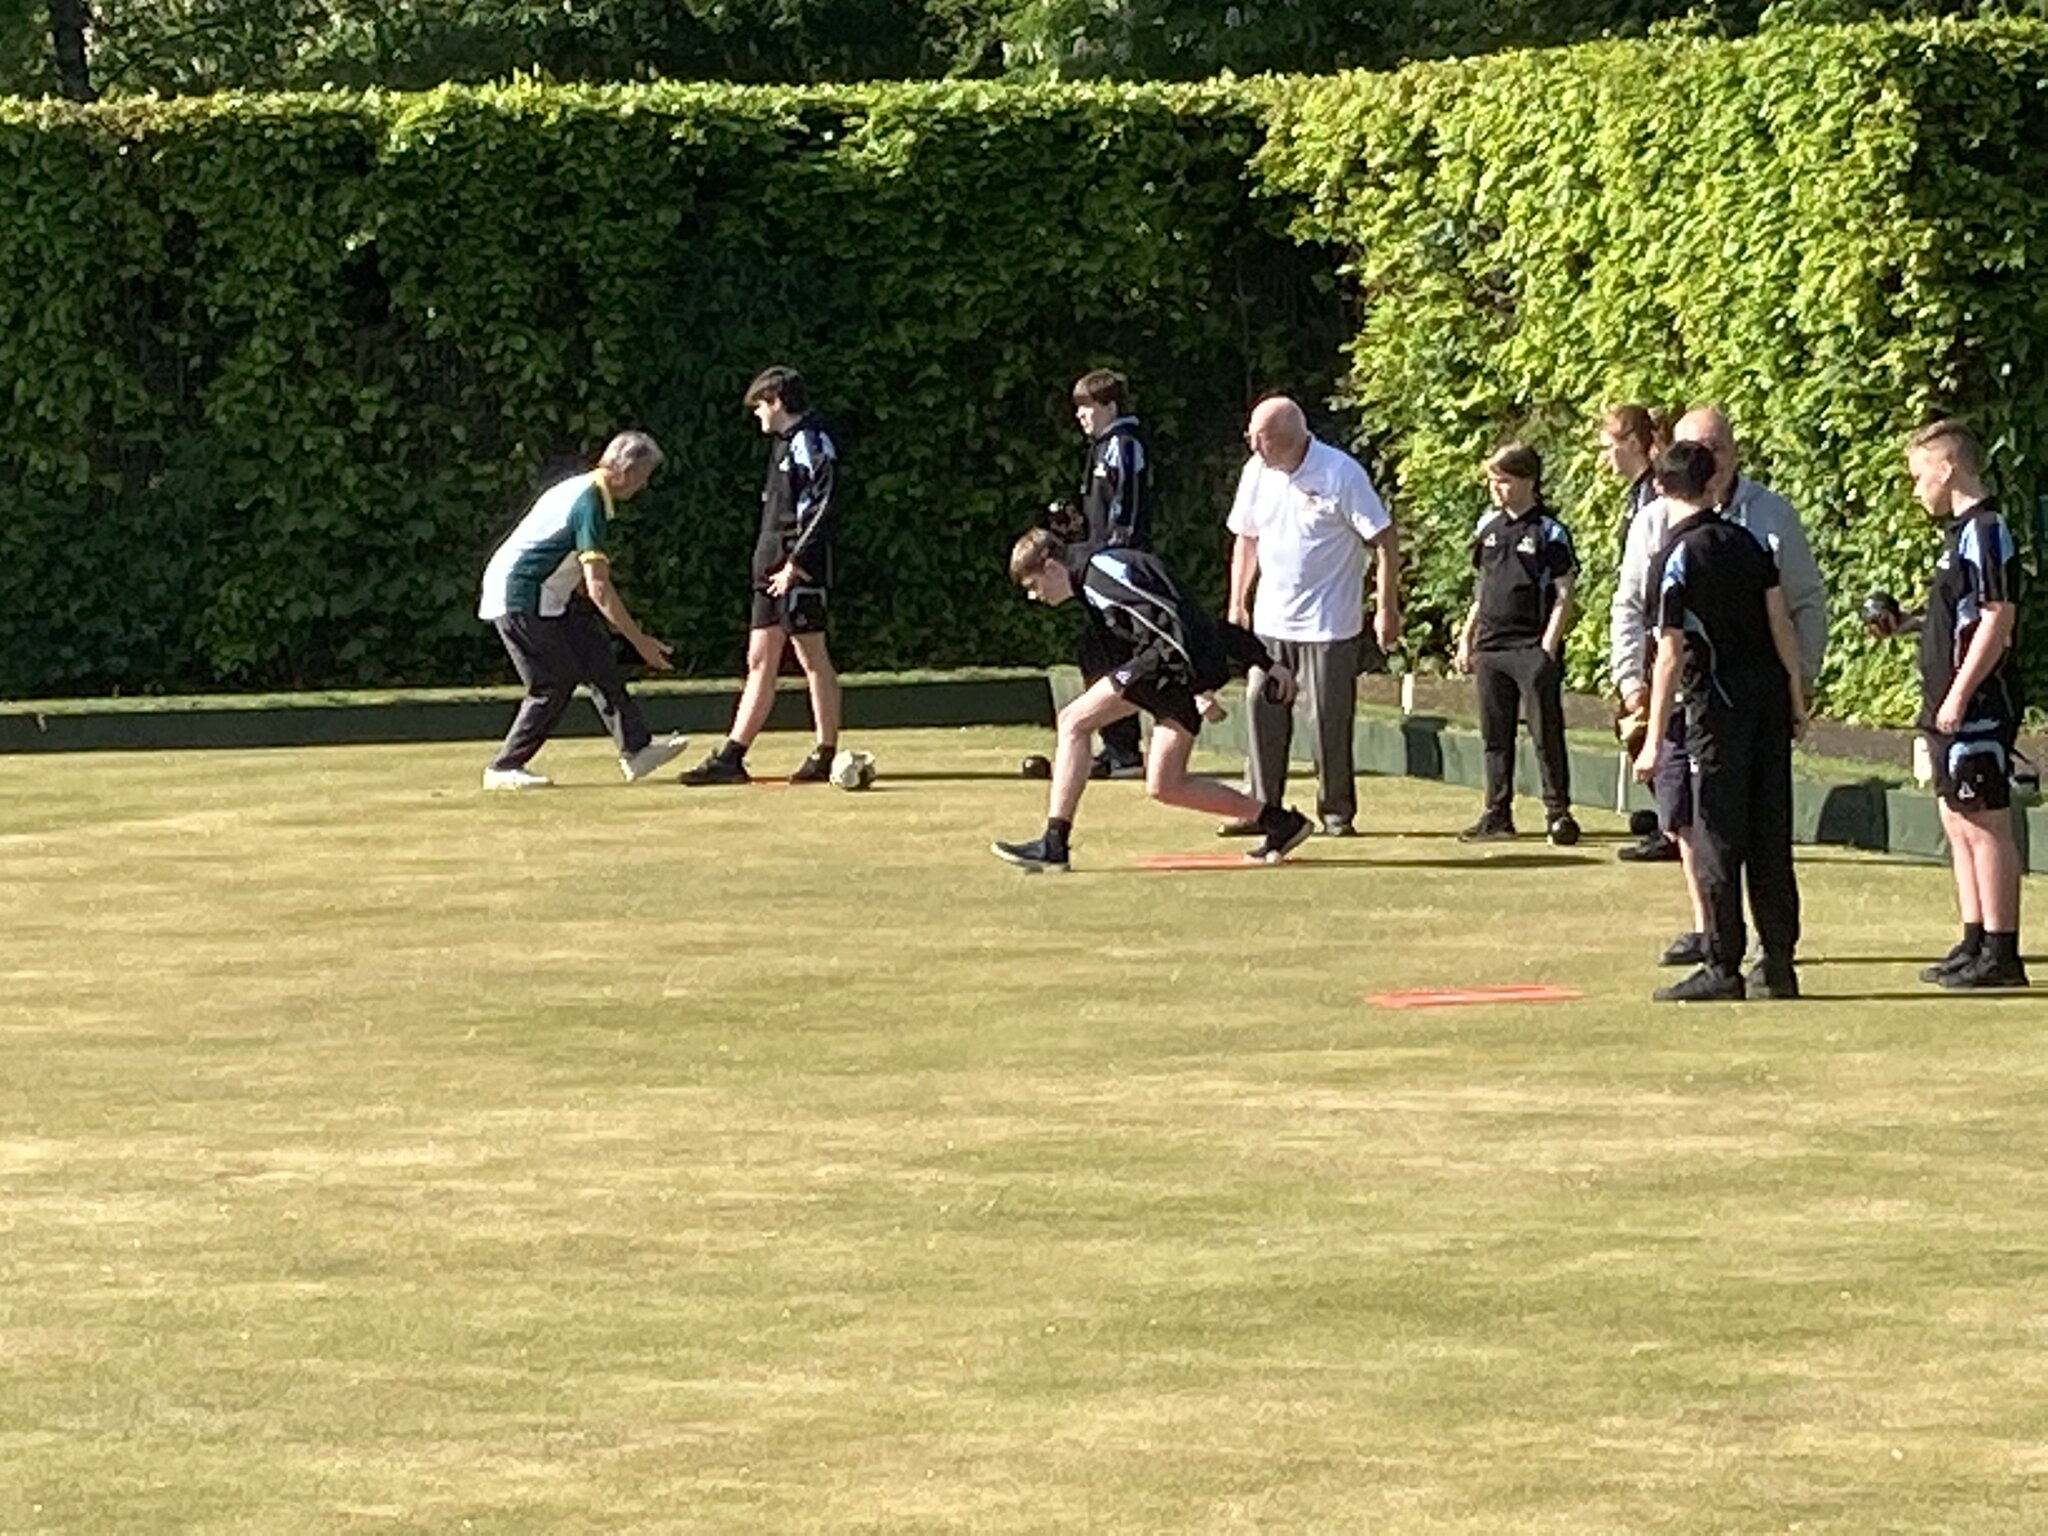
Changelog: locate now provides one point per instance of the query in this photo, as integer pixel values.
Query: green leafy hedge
(280, 369)
(1835, 233)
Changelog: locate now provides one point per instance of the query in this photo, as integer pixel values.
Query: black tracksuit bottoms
(552, 657)
(1508, 679)
(1742, 817)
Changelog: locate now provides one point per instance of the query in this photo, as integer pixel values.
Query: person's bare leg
(1962, 858)
(823, 679)
(1079, 721)
(1995, 863)
(1168, 781)
(764, 660)
(1692, 880)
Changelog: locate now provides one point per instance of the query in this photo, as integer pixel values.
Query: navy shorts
(801, 611)
(1671, 785)
(1973, 768)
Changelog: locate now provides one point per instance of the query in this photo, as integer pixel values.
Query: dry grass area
(376, 1155)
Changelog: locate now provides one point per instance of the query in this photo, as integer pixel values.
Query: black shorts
(1671, 785)
(1164, 700)
(1973, 768)
(801, 611)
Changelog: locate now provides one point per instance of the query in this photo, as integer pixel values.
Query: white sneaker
(514, 778)
(656, 754)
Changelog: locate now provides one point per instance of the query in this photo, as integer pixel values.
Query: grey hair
(630, 450)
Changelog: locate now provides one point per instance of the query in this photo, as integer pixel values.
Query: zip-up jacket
(1116, 495)
(1158, 633)
(796, 504)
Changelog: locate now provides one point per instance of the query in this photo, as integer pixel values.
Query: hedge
(282, 368)
(1835, 233)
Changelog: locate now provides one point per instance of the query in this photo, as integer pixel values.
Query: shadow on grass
(1893, 960)
(1926, 995)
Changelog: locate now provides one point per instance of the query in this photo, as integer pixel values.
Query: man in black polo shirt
(1513, 642)
(1725, 634)
(1115, 513)
(1168, 656)
(1970, 703)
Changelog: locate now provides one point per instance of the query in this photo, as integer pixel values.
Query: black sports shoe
(1654, 849)
(814, 769)
(1034, 856)
(1564, 831)
(1290, 831)
(1109, 766)
(1485, 830)
(716, 769)
(1702, 986)
(1686, 949)
(1950, 963)
(1986, 973)
(1777, 979)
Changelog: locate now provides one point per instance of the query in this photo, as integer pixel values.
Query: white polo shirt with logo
(1312, 526)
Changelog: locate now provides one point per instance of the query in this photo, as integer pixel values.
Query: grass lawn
(379, 1155)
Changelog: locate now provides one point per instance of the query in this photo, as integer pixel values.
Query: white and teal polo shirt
(540, 565)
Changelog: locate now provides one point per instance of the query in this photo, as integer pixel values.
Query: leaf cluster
(1833, 233)
(281, 369)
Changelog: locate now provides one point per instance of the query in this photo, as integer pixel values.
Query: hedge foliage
(1835, 233)
(282, 368)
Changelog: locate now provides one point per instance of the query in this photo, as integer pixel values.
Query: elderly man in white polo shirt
(1308, 524)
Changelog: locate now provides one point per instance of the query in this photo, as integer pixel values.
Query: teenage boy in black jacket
(1167, 657)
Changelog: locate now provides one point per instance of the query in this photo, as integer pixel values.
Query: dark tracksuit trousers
(1509, 682)
(1742, 817)
(553, 656)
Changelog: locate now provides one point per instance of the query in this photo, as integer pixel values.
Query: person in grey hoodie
(1771, 521)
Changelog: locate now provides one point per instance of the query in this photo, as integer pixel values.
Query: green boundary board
(1881, 815)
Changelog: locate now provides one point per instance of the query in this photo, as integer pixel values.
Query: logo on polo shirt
(1527, 546)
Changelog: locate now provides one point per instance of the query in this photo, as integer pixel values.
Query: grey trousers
(1326, 672)
(553, 656)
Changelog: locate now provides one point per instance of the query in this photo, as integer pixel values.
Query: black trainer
(1486, 830)
(1776, 979)
(716, 769)
(1564, 831)
(1107, 765)
(1702, 986)
(1289, 831)
(814, 769)
(1686, 949)
(1654, 849)
(1955, 960)
(1036, 856)
(1987, 973)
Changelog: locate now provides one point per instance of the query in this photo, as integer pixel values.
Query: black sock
(1973, 938)
(1271, 818)
(2004, 947)
(1057, 830)
(826, 749)
(732, 751)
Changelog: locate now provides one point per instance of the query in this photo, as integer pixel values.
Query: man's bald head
(1278, 433)
(1708, 427)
